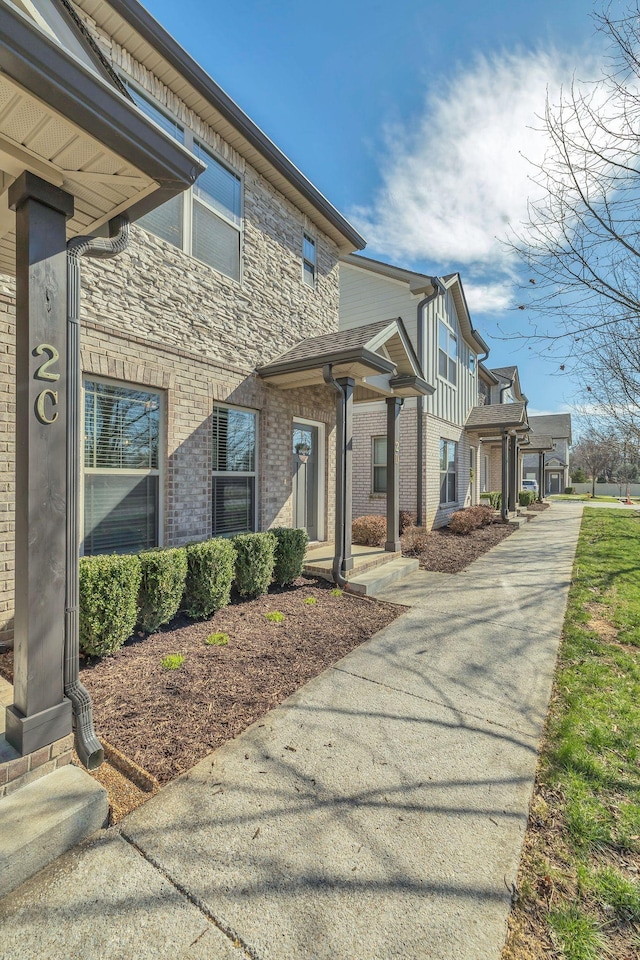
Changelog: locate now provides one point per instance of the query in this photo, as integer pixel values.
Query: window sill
(377, 496)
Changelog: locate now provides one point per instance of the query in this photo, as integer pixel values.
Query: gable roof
(135, 30)
(380, 348)
(510, 375)
(556, 425)
(489, 419)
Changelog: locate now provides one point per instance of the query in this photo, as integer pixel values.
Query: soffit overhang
(378, 356)
(137, 32)
(492, 420)
(65, 123)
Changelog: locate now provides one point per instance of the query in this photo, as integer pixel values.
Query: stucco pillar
(394, 405)
(40, 713)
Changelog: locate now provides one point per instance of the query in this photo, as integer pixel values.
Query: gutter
(87, 745)
(438, 290)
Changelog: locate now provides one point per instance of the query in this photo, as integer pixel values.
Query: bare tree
(581, 245)
(598, 454)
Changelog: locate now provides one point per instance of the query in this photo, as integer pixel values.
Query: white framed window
(308, 260)
(472, 363)
(447, 353)
(205, 221)
(448, 458)
(379, 464)
(121, 468)
(235, 458)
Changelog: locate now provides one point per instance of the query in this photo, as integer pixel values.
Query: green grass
(274, 617)
(217, 640)
(582, 496)
(173, 661)
(589, 769)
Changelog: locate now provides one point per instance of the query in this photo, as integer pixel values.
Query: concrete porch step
(319, 560)
(379, 578)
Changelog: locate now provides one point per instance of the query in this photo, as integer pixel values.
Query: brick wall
(7, 454)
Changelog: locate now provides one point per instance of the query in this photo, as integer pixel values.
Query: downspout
(506, 387)
(438, 289)
(327, 375)
(87, 745)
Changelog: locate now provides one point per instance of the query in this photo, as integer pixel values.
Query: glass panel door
(305, 478)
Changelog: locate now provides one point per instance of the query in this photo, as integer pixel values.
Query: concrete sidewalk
(378, 814)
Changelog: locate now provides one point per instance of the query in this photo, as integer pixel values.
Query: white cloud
(488, 297)
(453, 182)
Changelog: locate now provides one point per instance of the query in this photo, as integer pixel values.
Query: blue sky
(413, 120)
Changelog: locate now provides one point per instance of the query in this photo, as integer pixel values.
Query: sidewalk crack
(226, 931)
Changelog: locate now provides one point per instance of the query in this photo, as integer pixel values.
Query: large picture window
(448, 454)
(234, 471)
(207, 223)
(121, 468)
(379, 464)
(447, 353)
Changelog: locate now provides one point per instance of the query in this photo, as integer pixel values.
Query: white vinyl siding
(448, 458)
(205, 221)
(234, 504)
(121, 467)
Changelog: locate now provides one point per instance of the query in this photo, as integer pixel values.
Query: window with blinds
(234, 471)
(448, 456)
(211, 210)
(447, 353)
(121, 468)
(379, 465)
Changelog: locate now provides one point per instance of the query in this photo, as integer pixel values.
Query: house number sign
(47, 399)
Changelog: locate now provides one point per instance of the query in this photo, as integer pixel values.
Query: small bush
(274, 617)
(464, 521)
(525, 497)
(310, 601)
(414, 540)
(217, 640)
(336, 592)
(406, 520)
(172, 661)
(369, 531)
(495, 498)
(161, 587)
(109, 588)
(291, 547)
(255, 560)
(210, 566)
(568, 489)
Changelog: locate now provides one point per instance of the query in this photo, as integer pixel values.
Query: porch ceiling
(64, 122)
(378, 356)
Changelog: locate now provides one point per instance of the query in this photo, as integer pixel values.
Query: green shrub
(172, 661)
(210, 566)
(495, 498)
(161, 587)
(291, 547)
(217, 640)
(274, 617)
(568, 489)
(525, 497)
(109, 588)
(336, 592)
(255, 561)
(310, 601)
(370, 530)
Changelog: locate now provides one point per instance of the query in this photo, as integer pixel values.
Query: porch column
(505, 476)
(540, 477)
(394, 405)
(344, 496)
(40, 713)
(513, 473)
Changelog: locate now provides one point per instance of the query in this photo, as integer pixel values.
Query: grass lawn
(579, 882)
(585, 497)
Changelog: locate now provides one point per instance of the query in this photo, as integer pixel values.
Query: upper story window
(308, 260)
(447, 353)
(472, 363)
(205, 221)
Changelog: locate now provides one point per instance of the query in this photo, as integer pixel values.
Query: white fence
(608, 489)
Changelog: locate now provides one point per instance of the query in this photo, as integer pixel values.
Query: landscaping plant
(210, 567)
(161, 587)
(217, 640)
(310, 601)
(274, 617)
(172, 661)
(109, 588)
(255, 561)
(526, 497)
(291, 547)
(369, 531)
(472, 518)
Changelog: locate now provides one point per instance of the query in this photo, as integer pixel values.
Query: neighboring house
(446, 458)
(557, 427)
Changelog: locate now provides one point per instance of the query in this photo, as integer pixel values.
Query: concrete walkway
(378, 814)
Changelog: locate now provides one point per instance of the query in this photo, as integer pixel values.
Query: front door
(554, 483)
(305, 478)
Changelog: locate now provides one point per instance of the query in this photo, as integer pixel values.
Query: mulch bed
(538, 507)
(166, 721)
(448, 552)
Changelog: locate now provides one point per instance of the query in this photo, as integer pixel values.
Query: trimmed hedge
(291, 547)
(494, 497)
(369, 531)
(210, 566)
(464, 521)
(255, 561)
(525, 497)
(109, 587)
(163, 577)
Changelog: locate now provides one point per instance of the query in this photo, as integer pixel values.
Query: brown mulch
(166, 721)
(448, 552)
(538, 507)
